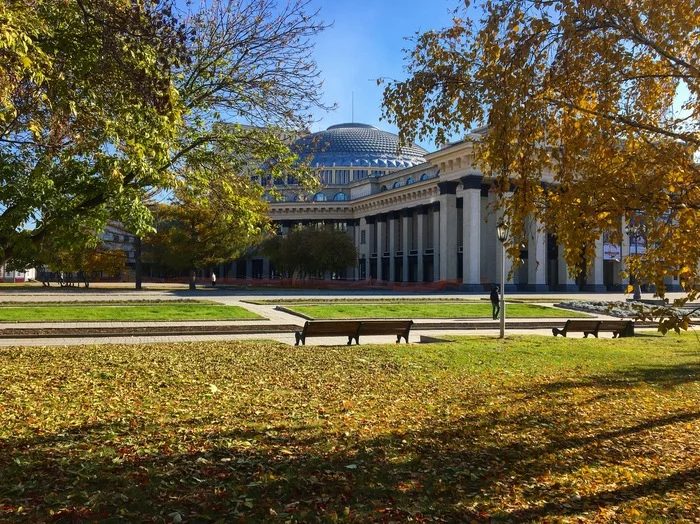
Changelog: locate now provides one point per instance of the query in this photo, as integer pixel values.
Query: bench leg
(556, 331)
(349, 340)
(297, 335)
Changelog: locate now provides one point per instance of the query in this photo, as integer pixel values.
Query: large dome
(358, 145)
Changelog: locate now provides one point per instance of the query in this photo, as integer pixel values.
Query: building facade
(419, 216)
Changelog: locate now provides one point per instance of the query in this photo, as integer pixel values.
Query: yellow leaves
(35, 128)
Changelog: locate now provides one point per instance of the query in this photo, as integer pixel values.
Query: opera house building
(419, 217)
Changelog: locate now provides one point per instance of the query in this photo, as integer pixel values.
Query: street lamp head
(502, 231)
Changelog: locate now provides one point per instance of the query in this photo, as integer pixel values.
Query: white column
(565, 281)
(471, 234)
(624, 253)
(405, 243)
(379, 225)
(448, 230)
(594, 279)
(437, 212)
(392, 248)
(537, 258)
(420, 242)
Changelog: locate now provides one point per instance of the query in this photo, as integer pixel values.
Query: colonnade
(450, 236)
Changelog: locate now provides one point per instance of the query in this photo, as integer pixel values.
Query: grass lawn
(428, 310)
(151, 312)
(536, 429)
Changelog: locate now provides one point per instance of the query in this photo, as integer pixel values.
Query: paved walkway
(424, 329)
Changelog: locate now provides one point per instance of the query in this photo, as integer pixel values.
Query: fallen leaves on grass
(574, 431)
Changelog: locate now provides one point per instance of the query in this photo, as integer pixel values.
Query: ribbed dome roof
(358, 145)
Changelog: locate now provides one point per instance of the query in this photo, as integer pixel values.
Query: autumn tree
(88, 112)
(598, 99)
(311, 251)
(86, 262)
(105, 103)
(202, 227)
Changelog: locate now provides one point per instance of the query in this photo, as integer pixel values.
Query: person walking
(213, 279)
(495, 302)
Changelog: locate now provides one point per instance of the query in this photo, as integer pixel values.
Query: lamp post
(502, 232)
(632, 232)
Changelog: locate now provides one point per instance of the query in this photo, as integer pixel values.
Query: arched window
(320, 197)
(409, 181)
(396, 184)
(383, 188)
(268, 198)
(425, 176)
(340, 197)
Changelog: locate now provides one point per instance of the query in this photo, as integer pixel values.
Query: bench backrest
(581, 325)
(385, 327)
(614, 324)
(331, 327)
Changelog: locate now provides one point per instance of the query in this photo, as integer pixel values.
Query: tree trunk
(193, 280)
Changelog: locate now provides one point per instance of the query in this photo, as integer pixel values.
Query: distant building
(418, 216)
(16, 276)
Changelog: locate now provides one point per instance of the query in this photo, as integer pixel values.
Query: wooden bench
(619, 328)
(400, 328)
(353, 329)
(330, 328)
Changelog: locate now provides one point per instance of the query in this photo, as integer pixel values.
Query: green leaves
(311, 252)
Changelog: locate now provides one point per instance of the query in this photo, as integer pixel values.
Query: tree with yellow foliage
(599, 98)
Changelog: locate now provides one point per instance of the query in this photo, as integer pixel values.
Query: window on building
(396, 184)
(425, 176)
(342, 176)
(320, 197)
(340, 226)
(378, 172)
(360, 174)
(383, 188)
(340, 197)
(410, 181)
(363, 237)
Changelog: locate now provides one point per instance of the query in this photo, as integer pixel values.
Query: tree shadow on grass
(662, 375)
(469, 470)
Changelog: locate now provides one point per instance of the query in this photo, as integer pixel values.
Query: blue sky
(365, 43)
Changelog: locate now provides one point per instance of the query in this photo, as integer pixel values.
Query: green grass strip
(411, 310)
(125, 313)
